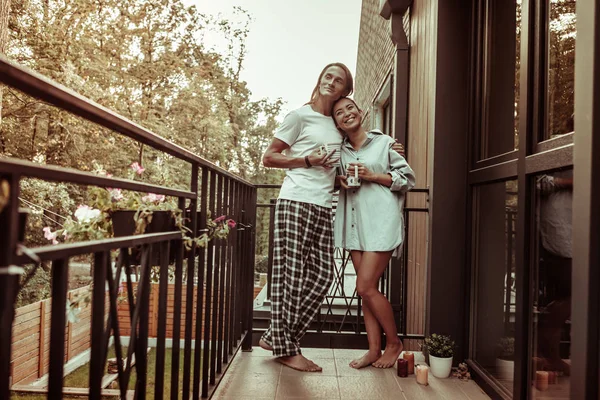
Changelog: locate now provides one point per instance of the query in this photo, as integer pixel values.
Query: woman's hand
(342, 181)
(398, 148)
(363, 172)
(317, 159)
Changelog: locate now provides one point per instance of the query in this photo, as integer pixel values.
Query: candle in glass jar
(410, 358)
(402, 368)
(541, 380)
(552, 377)
(422, 372)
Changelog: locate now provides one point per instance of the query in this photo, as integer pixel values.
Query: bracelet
(308, 164)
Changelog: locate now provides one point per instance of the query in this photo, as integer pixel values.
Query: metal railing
(348, 318)
(223, 271)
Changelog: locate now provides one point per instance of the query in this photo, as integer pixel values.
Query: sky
(290, 42)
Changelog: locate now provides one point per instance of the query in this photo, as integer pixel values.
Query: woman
(303, 238)
(369, 222)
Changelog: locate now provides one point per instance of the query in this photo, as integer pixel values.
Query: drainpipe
(394, 10)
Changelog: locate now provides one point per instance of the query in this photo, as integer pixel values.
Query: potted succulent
(440, 349)
(505, 361)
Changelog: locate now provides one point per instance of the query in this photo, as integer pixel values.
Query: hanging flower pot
(124, 224)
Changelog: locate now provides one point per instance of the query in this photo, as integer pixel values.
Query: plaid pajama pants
(302, 272)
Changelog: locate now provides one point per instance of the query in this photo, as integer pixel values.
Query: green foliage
(38, 288)
(439, 346)
(146, 61)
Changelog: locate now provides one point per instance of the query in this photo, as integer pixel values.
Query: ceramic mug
(352, 180)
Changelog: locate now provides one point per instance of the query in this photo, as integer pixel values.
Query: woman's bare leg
(372, 266)
(371, 324)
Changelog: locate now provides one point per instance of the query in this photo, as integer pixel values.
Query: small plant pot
(162, 221)
(188, 222)
(505, 369)
(440, 367)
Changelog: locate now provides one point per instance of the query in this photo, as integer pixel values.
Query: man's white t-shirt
(305, 130)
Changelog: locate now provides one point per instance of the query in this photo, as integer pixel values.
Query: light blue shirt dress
(370, 217)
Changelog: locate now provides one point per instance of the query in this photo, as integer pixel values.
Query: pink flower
(220, 219)
(49, 235)
(153, 198)
(231, 223)
(137, 168)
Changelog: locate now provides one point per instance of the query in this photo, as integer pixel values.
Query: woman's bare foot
(265, 345)
(369, 358)
(390, 355)
(299, 363)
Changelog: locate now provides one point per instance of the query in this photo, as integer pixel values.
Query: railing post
(250, 208)
(9, 276)
(271, 243)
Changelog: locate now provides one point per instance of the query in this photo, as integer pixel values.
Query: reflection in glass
(552, 286)
(495, 228)
(500, 128)
(561, 67)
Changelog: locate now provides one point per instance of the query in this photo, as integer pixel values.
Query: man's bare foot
(265, 345)
(369, 358)
(390, 355)
(299, 363)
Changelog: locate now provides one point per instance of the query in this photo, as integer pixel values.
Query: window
(552, 272)
(499, 92)
(494, 275)
(560, 67)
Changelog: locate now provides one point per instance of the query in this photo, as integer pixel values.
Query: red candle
(402, 368)
(410, 357)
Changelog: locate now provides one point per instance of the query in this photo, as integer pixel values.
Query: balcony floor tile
(256, 375)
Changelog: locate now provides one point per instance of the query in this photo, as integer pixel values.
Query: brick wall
(376, 55)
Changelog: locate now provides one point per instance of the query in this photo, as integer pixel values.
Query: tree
(147, 61)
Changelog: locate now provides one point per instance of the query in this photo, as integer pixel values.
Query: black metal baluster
(9, 279)
(243, 265)
(189, 305)
(271, 243)
(216, 312)
(200, 291)
(231, 286)
(209, 293)
(141, 358)
(239, 269)
(163, 282)
(98, 311)
(113, 287)
(60, 275)
(249, 266)
(177, 299)
(222, 339)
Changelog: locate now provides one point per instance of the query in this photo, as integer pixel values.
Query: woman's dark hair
(349, 82)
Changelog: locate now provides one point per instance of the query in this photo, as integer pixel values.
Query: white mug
(352, 180)
(334, 160)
